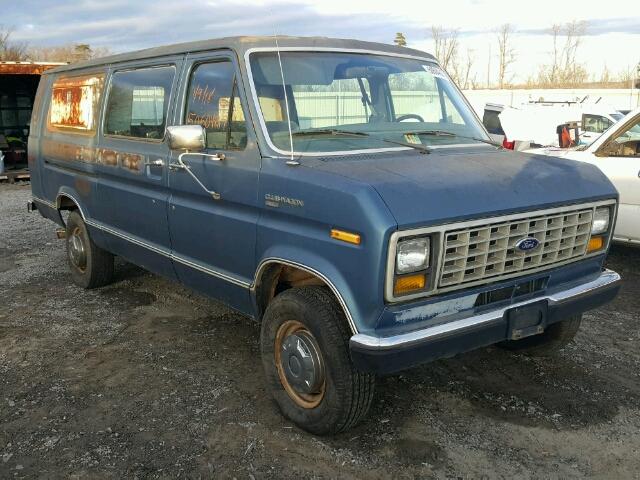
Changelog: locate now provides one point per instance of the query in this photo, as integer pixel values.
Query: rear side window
(74, 104)
(491, 121)
(138, 103)
(213, 103)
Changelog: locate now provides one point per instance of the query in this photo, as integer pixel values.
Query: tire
(90, 265)
(551, 341)
(343, 396)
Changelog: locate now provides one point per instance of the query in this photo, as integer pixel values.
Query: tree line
(562, 70)
(13, 51)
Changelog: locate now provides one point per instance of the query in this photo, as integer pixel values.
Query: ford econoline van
(342, 193)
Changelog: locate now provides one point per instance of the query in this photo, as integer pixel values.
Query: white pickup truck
(617, 153)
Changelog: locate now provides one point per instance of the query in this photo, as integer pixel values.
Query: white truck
(617, 153)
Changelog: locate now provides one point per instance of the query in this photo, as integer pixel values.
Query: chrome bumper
(607, 279)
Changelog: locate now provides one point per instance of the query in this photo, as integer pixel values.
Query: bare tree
(564, 69)
(9, 50)
(506, 53)
(555, 31)
(462, 69)
(446, 45)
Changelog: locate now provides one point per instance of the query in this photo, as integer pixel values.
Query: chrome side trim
(73, 199)
(141, 243)
(45, 202)
(332, 287)
(438, 232)
(215, 273)
(607, 279)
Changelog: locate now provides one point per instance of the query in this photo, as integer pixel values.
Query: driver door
(213, 235)
(619, 159)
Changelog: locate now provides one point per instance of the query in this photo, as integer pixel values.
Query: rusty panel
(131, 161)
(74, 103)
(68, 152)
(108, 157)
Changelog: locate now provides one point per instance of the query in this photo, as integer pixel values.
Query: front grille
(487, 252)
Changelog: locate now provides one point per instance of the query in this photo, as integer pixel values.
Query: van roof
(241, 45)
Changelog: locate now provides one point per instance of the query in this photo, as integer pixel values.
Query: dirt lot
(143, 379)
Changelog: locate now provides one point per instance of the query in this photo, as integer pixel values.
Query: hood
(463, 183)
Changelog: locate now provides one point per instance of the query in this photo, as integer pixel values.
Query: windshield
(384, 99)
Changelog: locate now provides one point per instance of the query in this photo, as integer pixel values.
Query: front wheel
(305, 354)
(551, 341)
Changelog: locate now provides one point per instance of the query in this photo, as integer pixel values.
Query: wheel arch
(68, 201)
(275, 271)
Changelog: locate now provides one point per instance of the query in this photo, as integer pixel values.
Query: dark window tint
(138, 102)
(213, 103)
(491, 121)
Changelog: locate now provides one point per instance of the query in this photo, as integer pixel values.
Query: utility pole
(637, 84)
(489, 69)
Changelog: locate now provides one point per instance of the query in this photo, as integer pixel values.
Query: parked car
(517, 128)
(342, 193)
(617, 153)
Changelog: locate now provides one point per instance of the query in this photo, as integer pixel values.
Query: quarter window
(138, 102)
(213, 103)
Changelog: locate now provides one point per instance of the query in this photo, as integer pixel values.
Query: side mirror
(187, 137)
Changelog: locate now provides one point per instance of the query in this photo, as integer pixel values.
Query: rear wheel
(305, 354)
(90, 265)
(551, 341)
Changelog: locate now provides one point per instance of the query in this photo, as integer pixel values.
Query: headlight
(412, 255)
(601, 220)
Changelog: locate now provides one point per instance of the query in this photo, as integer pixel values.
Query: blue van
(342, 193)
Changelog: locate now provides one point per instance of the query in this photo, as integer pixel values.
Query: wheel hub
(301, 364)
(77, 251)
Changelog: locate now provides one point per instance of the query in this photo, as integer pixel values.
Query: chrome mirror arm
(184, 166)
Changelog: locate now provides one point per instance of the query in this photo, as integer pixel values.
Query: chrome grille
(488, 251)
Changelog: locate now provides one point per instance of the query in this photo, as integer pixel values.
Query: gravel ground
(144, 379)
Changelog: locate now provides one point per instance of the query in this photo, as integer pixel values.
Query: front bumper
(387, 354)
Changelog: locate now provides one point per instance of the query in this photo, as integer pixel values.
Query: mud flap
(527, 320)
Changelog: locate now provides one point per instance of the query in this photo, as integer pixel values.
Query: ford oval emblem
(527, 244)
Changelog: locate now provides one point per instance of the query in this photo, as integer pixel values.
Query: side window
(74, 104)
(626, 144)
(138, 102)
(491, 121)
(213, 103)
(595, 123)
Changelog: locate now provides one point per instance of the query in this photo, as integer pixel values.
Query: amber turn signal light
(345, 236)
(409, 283)
(595, 244)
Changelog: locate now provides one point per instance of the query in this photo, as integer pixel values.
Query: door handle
(155, 163)
(177, 166)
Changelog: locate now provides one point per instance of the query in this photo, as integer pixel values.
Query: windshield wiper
(444, 133)
(329, 131)
(416, 146)
(350, 133)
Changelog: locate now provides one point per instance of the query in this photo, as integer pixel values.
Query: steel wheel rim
(77, 250)
(292, 339)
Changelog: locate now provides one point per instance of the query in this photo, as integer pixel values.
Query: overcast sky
(612, 39)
